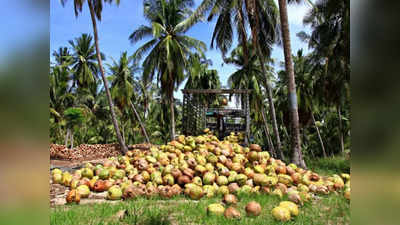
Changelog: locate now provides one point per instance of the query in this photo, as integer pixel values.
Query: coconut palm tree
(297, 157)
(267, 24)
(83, 61)
(122, 83)
(309, 98)
(95, 8)
(169, 47)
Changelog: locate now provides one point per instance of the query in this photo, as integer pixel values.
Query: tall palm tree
(237, 15)
(297, 157)
(95, 8)
(122, 83)
(307, 75)
(262, 43)
(169, 47)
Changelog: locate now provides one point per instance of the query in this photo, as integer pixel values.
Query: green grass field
(326, 209)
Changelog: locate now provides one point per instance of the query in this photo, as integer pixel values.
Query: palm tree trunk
(253, 12)
(340, 129)
(67, 137)
(319, 135)
(266, 130)
(297, 157)
(172, 116)
(72, 140)
(123, 133)
(123, 147)
(140, 121)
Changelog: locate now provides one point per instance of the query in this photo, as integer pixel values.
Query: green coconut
(83, 191)
(104, 174)
(114, 193)
(209, 178)
(87, 172)
(241, 179)
(222, 180)
(281, 213)
(292, 207)
(215, 209)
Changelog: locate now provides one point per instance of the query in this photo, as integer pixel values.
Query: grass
(329, 165)
(328, 209)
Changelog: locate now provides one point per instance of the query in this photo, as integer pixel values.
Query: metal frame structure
(196, 114)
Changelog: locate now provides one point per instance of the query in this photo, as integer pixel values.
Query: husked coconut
(253, 208)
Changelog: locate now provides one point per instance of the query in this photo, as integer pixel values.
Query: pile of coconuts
(198, 167)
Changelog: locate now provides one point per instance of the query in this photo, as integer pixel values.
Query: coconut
(277, 192)
(166, 192)
(252, 156)
(285, 179)
(57, 178)
(56, 171)
(232, 176)
(222, 180)
(280, 169)
(253, 208)
(151, 191)
(292, 207)
(230, 199)
(241, 179)
(74, 183)
(195, 192)
(215, 209)
(209, 190)
(209, 178)
(200, 169)
(83, 191)
(233, 187)
(232, 213)
(104, 174)
(176, 189)
(182, 180)
(223, 190)
(294, 196)
(345, 176)
(73, 196)
(114, 193)
(131, 192)
(259, 169)
(282, 187)
(305, 196)
(168, 179)
(281, 213)
(87, 172)
(260, 179)
(99, 186)
(255, 147)
(290, 171)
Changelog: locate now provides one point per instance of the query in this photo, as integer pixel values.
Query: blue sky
(118, 22)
